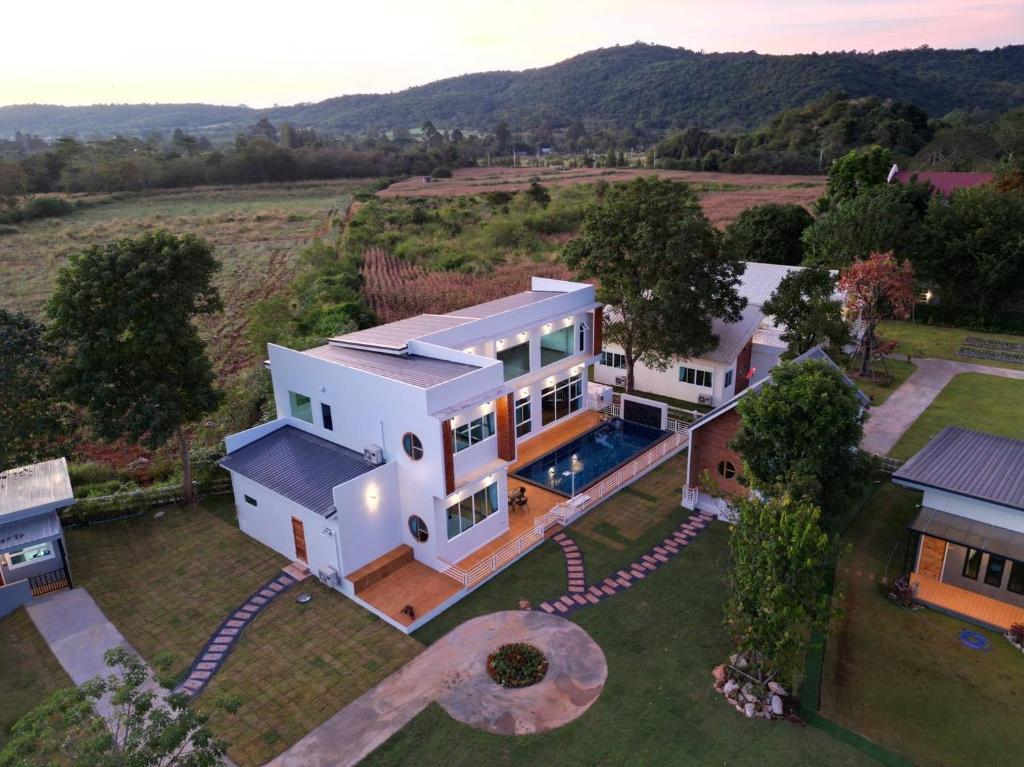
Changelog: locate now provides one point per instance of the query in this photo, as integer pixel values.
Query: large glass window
(516, 360)
(524, 418)
(994, 571)
(1016, 581)
(472, 432)
(613, 360)
(560, 400)
(472, 510)
(300, 406)
(695, 376)
(583, 339)
(30, 554)
(972, 564)
(556, 345)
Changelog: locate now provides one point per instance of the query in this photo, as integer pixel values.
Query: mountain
(651, 87)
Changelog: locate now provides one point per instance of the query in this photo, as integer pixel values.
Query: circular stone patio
(577, 671)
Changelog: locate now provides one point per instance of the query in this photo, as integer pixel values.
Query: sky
(262, 53)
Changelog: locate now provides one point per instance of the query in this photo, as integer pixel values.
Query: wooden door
(299, 533)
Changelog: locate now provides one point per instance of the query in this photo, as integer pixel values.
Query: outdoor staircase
(380, 568)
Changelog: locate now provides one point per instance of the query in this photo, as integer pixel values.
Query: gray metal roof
(968, 532)
(34, 489)
(970, 463)
(759, 281)
(395, 336)
(302, 467)
(515, 301)
(412, 369)
(733, 336)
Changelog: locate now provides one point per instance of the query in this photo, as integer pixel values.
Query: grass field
(902, 678)
(900, 370)
(256, 231)
(974, 401)
(168, 582)
(941, 343)
(30, 670)
(661, 640)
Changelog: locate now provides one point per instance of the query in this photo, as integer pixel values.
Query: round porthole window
(412, 446)
(418, 528)
(726, 469)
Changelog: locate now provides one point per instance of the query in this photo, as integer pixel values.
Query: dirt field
(256, 232)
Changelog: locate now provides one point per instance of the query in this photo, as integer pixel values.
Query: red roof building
(944, 182)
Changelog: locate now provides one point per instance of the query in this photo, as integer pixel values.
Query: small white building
(33, 558)
(391, 445)
(747, 350)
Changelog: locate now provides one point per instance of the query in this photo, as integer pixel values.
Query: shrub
(1016, 633)
(48, 207)
(441, 171)
(517, 665)
(903, 591)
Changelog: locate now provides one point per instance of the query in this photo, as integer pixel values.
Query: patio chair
(520, 500)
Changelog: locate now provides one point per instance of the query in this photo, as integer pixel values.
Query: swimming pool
(590, 456)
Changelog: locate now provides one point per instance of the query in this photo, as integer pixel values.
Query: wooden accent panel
(933, 551)
(299, 534)
(380, 568)
(447, 451)
(975, 607)
(506, 411)
(709, 445)
(597, 331)
(743, 366)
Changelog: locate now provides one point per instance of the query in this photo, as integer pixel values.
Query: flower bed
(517, 665)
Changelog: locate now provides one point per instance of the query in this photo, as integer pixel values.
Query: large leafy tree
(856, 171)
(142, 731)
(806, 306)
(31, 419)
(136, 362)
(659, 268)
(777, 594)
(975, 252)
(801, 431)
(877, 288)
(768, 234)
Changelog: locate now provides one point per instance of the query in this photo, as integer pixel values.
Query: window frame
(250, 500)
(967, 561)
(726, 469)
(415, 445)
(473, 432)
(50, 554)
(418, 528)
(508, 349)
(582, 339)
(294, 406)
(728, 379)
(326, 417)
(569, 350)
(993, 558)
(472, 509)
(1015, 567)
(524, 415)
(567, 394)
(613, 360)
(705, 379)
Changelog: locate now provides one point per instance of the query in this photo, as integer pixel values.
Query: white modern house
(747, 350)
(391, 446)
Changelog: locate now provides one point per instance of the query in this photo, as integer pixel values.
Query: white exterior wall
(969, 508)
(666, 382)
(465, 543)
(763, 358)
(369, 520)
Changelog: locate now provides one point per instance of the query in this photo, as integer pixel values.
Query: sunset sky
(262, 53)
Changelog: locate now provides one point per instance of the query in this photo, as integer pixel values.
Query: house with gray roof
(967, 542)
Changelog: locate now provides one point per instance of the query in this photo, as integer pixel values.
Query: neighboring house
(747, 350)
(944, 182)
(709, 450)
(392, 444)
(967, 542)
(33, 558)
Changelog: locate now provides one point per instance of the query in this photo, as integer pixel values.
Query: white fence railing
(569, 510)
(690, 497)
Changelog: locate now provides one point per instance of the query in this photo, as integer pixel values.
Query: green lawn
(900, 370)
(661, 640)
(974, 401)
(941, 343)
(167, 583)
(30, 670)
(902, 678)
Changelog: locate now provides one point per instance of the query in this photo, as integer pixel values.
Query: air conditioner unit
(328, 576)
(704, 399)
(374, 454)
(620, 380)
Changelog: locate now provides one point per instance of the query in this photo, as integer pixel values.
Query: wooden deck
(966, 604)
(413, 584)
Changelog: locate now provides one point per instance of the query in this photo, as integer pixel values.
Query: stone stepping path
(224, 639)
(579, 595)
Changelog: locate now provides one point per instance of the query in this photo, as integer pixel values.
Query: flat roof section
(412, 369)
(395, 336)
(508, 303)
(38, 487)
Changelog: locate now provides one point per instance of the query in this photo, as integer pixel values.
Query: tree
(801, 431)
(136, 363)
(856, 171)
(877, 288)
(768, 234)
(502, 136)
(538, 193)
(660, 270)
(975, 248)
(1009, 136)
(31, 421)
(777, 585)
(142, 731)
(882, 218)
(806, 306)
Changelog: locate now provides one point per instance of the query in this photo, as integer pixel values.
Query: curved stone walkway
(578, 596)
(452, 672)
(574, 568)
(215, 652)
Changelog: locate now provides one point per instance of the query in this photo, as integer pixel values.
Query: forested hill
(656, 86)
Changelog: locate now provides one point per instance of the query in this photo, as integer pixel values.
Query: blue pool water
(590, 456)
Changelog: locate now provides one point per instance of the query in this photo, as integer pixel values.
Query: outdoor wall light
(523, 335)
(500, 343)
(524, 392)
(568, 320)
(547, 325)
(469, 350)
